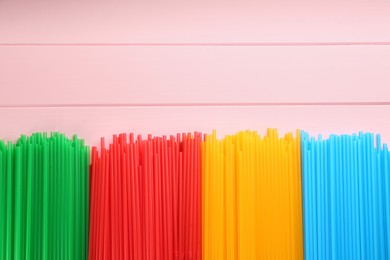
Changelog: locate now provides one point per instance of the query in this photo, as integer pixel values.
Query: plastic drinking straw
(357, 197)
(376, 242)
(175, 151)
(255, 173)
(68, 206)
(62, 200)
(164, 178)
(379, 201)
(29, 202)
(351, 195)
(313, 215)
(349, 199)
(184, 188)
(172, 200)
(341, 223)
(3, 186)
(155, 190)
(18, 204)
(160, 241)
(134, 234)
(82, 204)
(355, 180)
(305, 198)
(184, 198)
(111, 189)
(231, 208)
(166, 198)
(367, 196)
(133, 198)
(205, 198)
(155, 205)
(124, 182)
(73, 206)
(33, 189)
(96, 204)
(86, 187)
(148, 201)
(362, 194)
(10, 217)
(120, 179)
(199, 198)
(371, 215)
(130, 200)
(145, 178)
(385, 157)
(97, 201)
(190, 197)
(320, 203)
(181, 170)
(139, 206)
(105, 209)
(92, 249)
(363, 198)
(121, 182)
(188, 231)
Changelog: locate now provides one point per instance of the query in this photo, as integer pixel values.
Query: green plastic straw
(44, 193)
(18, 203)
(10, 203)
(2, 199)
(45, 230)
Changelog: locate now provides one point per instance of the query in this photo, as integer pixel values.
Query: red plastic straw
(145, 198)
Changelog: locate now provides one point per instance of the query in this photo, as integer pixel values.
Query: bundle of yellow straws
(252, 196)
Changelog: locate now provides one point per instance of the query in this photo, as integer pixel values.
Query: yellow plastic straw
(252, 197)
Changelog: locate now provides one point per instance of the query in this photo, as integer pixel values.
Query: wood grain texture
(82, 75)
(204, 21)
(106, 67)
(92, 123)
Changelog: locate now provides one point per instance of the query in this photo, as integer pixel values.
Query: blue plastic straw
(346, 197)
(386, 168)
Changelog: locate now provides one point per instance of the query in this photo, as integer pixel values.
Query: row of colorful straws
(190, 196)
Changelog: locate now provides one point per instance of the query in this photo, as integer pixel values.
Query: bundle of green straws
(44, 198)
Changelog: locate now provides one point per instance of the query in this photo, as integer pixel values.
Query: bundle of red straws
(146, 198)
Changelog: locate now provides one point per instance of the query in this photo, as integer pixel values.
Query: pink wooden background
(104, 67)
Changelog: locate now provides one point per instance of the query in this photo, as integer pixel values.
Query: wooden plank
(34, 76)
(175, 21)
(92, 123)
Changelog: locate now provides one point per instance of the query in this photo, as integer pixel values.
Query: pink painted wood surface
(66, 76)
(108, 67)
(203, 21)
(92, 123)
